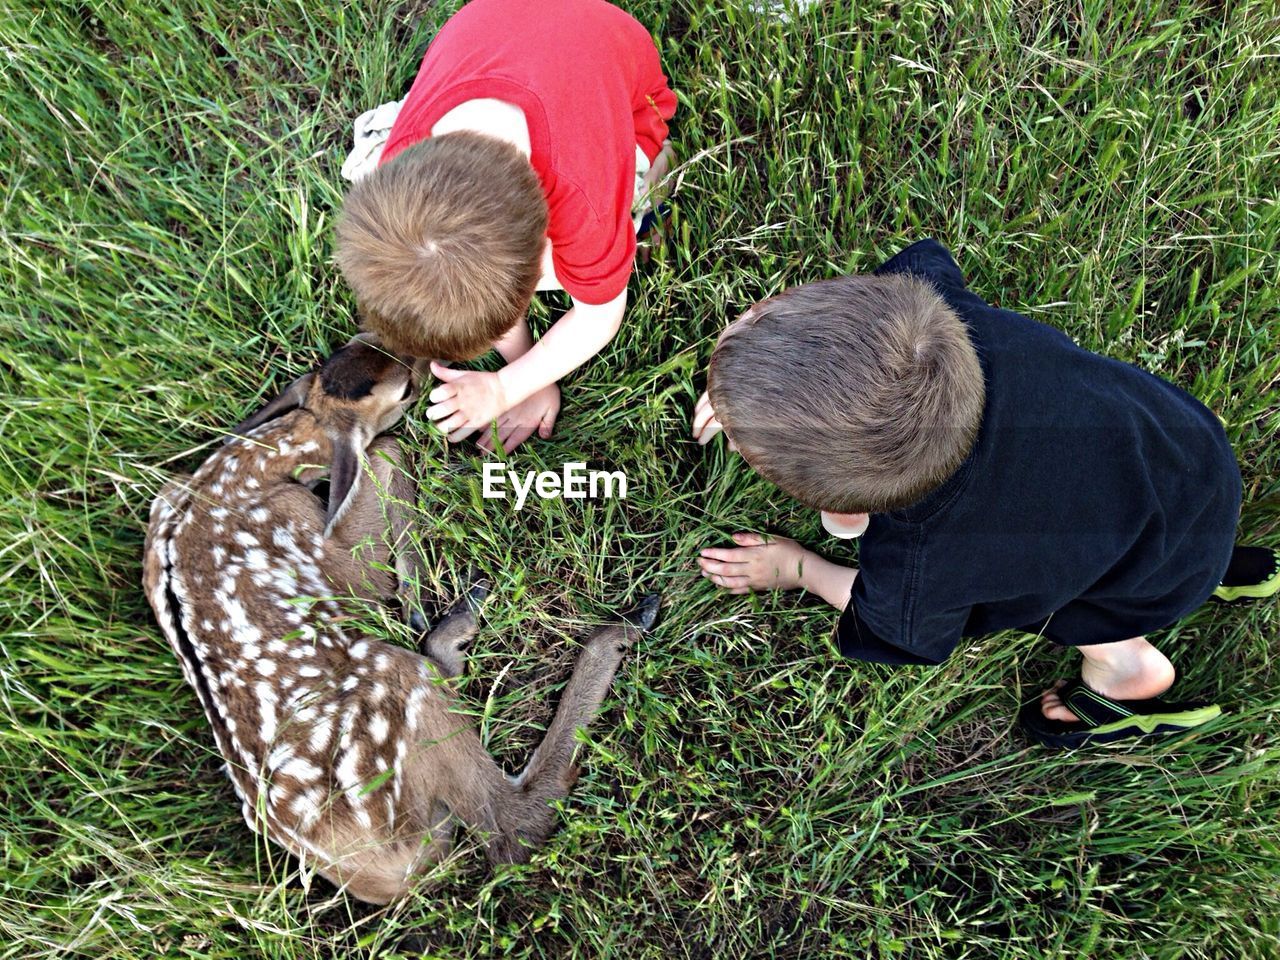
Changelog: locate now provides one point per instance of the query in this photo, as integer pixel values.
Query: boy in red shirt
(511, 167)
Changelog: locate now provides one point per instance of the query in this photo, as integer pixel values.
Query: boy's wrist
(516, 342)
(831, 581)
(517, 385)
(805, 574)
(508, 390)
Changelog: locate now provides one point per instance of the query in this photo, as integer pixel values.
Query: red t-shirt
(588, 79)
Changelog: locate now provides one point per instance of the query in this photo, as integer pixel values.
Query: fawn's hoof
(418, 621)
(478, 592)
(645, 614)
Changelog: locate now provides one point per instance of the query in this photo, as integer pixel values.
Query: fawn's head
(360, 391)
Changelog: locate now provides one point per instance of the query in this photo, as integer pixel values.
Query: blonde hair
(443, 245)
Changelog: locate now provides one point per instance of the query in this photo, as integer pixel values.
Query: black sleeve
(857, 641)
(926, 258)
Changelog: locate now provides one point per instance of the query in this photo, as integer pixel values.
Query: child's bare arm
(572, 340)
(661, 164)
(516, 343)
(653, 187)
(776, 563)
(523, 396)
(831, 581)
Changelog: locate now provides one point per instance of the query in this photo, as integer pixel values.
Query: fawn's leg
(389, 501)
(526, 819)
(378, 529)
(444, 645)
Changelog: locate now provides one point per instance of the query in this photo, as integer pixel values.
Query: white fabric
(780, 9)
(640, 205)
(843, 531)
(372, 128)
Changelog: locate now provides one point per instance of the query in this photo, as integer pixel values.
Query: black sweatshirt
(1099, 502)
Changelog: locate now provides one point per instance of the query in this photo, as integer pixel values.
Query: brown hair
(860, 394)
(443, 245)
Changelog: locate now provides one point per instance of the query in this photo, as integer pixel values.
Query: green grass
(169, 179)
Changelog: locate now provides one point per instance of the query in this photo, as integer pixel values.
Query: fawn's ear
(344, 473)
(291, 398)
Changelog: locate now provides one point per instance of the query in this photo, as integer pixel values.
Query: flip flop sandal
(1103, 720)
(1268, 587)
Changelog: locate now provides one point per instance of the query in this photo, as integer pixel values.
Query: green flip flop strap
(1104, 715)
(1253, 591)
(1150, 722)
(1092, 707)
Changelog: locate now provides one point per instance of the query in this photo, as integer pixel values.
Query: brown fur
(443, 245)
(309, 712)
(854, 395)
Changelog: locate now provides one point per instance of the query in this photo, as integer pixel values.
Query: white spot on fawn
(279, 755)
(346, 772)
(267, 710)
(306, 806)
(300, 769)
(414, 707)
(321, 734)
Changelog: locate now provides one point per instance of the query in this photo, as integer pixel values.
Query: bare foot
(1128, 670)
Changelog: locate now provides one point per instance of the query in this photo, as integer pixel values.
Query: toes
(1052, 707)
(1058, 712)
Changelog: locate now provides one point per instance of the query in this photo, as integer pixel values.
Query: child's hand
(516, 426)
(657, 170)
(467, 401)
(757, 563)
(705, 424)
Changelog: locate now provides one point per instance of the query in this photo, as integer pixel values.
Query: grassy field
(169, 180)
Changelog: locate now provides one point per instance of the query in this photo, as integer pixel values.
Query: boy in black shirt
(1004, 478)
